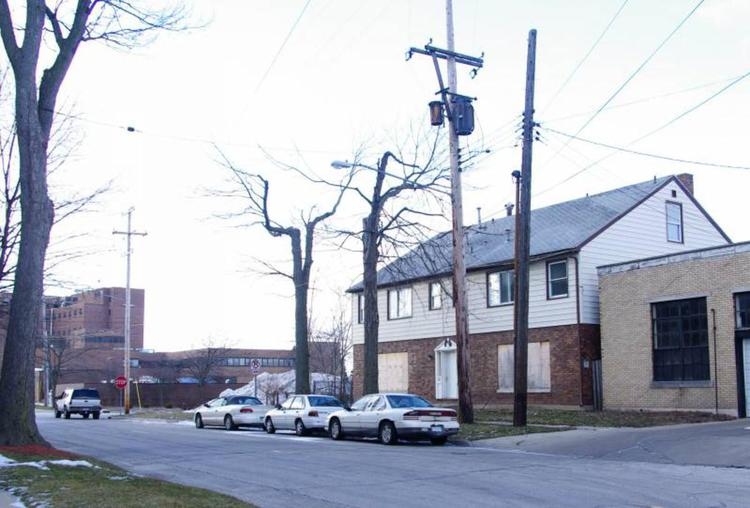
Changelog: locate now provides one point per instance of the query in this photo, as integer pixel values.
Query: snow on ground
(43, 464)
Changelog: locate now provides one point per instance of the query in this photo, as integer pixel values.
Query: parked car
(302, 414)
(231, 412)
(82, 401)
(394, 416)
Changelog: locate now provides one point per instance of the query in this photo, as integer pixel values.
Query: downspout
(578, 334)
(716, 371)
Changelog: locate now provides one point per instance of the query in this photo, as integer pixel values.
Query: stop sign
(120, 382)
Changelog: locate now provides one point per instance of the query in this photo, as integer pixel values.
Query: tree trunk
(370, 295)
(17, 419)
(301, 278)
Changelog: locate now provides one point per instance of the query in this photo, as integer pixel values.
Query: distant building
(96, 318)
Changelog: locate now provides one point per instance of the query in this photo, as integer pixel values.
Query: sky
(306, 82)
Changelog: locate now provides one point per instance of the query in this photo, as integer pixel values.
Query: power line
(632, 75)
(283, 44)
(645, 154)
(586, 56)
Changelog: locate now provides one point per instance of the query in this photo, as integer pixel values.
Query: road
(284, 470)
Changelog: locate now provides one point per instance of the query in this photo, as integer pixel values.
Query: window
(393, 372)
(742, 310)
(360, 308)
(235, 362)
(557, 279)
(399, 303)
(135, 363)
(436, 296)
(680, 330)
(674, 222)
(538, 367)
(500, 286)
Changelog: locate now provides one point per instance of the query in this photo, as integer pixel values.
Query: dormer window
(674, 222)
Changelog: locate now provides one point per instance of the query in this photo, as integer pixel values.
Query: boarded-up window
(538, 378)
(393, 372)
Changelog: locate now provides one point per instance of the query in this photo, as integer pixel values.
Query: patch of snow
(42, 464)
(9, 500)
(71, 463)
(275, 388)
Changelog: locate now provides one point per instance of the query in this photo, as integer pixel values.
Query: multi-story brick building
(675, 331)
(96, 318)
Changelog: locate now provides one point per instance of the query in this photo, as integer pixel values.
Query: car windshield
(85, 394)
(325, 401)
(398, 401)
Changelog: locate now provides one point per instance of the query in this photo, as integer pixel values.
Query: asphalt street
(285, 470)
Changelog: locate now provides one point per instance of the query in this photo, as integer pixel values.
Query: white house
(567, 243)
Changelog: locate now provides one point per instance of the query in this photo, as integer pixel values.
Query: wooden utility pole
(465, 404)
(521, 345)
(126, 328)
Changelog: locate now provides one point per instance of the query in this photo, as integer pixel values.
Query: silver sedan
(302, 413)
(231, 412)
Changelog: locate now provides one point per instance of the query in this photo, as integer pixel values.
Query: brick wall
(626, 299)
(565, 365)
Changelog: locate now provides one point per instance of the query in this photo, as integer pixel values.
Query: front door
(446, 371)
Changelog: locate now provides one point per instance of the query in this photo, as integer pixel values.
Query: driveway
(723, 444)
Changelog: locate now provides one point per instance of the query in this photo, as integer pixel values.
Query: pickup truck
(82, 401)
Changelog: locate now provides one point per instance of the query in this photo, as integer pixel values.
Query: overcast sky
(309, 82)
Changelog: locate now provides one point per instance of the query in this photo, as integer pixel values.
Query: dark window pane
(680, 331)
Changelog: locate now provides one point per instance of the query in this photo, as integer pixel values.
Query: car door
(369, 419)
(282, 419)
(350, 421)
(209, 411)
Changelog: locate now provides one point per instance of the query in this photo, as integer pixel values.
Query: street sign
(120, 382)
(254, 365)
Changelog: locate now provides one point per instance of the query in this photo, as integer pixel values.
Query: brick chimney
(686, 179)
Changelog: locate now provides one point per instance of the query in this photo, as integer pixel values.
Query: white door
(746, 361)
(446, 371)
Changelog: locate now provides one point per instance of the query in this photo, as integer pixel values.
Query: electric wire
(586, 56)
(645, 154)
(631, 77)
(283, 44)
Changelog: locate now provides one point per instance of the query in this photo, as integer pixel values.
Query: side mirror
(206, 405)
(278, 406)
(347, 407)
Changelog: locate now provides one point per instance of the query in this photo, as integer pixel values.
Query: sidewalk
(722, 444)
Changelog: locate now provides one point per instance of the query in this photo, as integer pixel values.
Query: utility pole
(521, 344)
(461, 121)
(129, 233)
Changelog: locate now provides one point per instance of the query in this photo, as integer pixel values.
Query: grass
(160, 413)
(102, 485)
(572, 418)
(479, 430)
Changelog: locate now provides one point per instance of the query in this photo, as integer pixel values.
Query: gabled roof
(555, 229)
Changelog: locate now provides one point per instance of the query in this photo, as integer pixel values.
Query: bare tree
(254, 189)
(118, 22)
(203, 363)
(331, 347)
(385, 227)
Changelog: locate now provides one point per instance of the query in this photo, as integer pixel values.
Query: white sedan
(302, 413)
(394, 416)
(231, 412)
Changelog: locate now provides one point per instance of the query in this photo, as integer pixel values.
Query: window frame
(550, 280)
(360, 308)
(741, 313)
(432, 294)
(685, 330)
(511, 292)
(394, 314)
(680, 225)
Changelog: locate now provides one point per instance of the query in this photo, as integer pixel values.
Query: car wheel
(67, 414)
(387, 433)
(299, 428)
(198, 421)
(58, 414)
(334, 430)
(229, 423)
(96, 415)
(269, 426)
(85, 416)
(439, 441)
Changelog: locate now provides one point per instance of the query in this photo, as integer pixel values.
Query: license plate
(437, 429)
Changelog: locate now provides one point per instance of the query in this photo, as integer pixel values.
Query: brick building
(417, 351)
(676, 331)
(96, 318)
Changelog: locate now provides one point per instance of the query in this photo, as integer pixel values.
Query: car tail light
(246, 410)
(312, 413)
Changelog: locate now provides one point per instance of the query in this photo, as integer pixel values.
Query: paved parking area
(723, 444)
